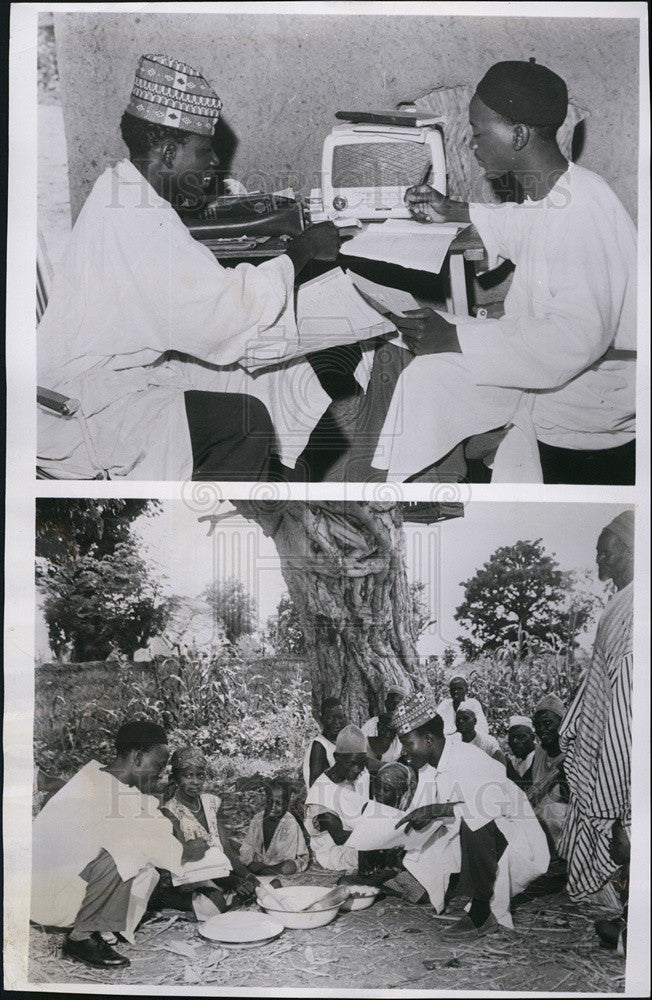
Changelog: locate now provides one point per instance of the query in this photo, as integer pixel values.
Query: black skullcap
(141, 735)
(525, 92)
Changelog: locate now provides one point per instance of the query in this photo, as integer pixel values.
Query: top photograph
(341, 248)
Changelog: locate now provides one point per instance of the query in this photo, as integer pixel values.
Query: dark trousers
(607, 467)
(232, 436)
(481, 852)
(106, 902)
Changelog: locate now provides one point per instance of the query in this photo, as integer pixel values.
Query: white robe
(330, 755)
(93, 811)
(573, 296)
(468, 774)
(345, 800)
(447, 712)
(537, 370)
(133, 286)
(395, 748)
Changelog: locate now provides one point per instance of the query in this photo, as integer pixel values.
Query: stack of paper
(418, 245)
(330, 312)
(214, 864)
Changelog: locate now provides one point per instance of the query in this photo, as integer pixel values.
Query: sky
(442, 556)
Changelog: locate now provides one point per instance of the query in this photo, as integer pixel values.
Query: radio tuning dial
(339, 203)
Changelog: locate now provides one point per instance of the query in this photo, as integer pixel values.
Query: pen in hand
(425, 176)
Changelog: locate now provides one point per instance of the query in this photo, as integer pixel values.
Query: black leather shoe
(94, 951)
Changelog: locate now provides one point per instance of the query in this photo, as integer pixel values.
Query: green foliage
(256, 711)
(93, 604)
(67, 529)
(284, 630)
(233, 607)
(521, 596)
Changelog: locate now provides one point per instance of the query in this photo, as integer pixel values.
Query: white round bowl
(302, 895)
(364, 897)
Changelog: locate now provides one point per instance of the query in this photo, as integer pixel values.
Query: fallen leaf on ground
(180, 948)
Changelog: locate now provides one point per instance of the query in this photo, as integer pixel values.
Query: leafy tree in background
(521, 598)
(93, 604)
(284, 629)
(66, 529)
(233, 607)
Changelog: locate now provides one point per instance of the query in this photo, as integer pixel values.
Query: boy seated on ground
(193, 813)
(274, 843)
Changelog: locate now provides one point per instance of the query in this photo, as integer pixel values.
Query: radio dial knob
(339, 203)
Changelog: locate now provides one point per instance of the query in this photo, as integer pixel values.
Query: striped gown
(597, 736)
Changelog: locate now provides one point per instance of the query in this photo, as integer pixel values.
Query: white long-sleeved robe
(470, 775)
(95, 810)
(134, 286)
(346, 800)
(572, 297)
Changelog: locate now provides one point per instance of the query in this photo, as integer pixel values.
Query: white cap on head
(520, 720)
(351, 739)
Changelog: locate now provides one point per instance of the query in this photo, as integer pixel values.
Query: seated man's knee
(257, 421)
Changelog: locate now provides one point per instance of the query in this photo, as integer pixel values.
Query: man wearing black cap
(568, 334)
(96, 845)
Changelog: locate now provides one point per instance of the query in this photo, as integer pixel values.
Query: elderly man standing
(596, 733)
(163, 346)
(568, 335)
(96, 845)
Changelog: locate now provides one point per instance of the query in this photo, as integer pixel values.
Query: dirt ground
(391, 945)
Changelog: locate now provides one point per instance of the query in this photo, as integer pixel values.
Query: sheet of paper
(394, 299)
(404, 242)
(214, 864)
(331, 312)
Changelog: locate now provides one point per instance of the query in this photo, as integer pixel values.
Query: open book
(214, 864)
(418, 245)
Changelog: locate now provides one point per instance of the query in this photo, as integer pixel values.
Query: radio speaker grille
(379, 164)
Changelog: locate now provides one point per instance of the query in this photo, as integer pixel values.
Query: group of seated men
(425, 812)
(183, 367)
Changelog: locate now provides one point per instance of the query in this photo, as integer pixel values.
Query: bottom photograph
(331, 745)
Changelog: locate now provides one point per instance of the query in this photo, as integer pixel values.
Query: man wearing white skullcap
(520, 740)
(568, 333)
(596, 733)
(384, 743)
(336, 800)
(458, 687)
(157, 340)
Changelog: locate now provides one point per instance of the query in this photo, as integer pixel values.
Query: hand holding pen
(425, 204)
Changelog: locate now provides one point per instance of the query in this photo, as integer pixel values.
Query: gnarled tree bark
(345, 569)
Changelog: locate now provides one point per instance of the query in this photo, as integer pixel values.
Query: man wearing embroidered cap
(596, 733)
(568, 335)
(336, 800)
(487, 830)
(156, 339)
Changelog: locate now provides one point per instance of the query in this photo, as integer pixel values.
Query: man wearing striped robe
(596, 733)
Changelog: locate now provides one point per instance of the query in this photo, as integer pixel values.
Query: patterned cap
(414, 712)
(172, 93)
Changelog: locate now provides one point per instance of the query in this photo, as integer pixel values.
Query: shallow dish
(300, 896)
(240, 928)
(361, 898)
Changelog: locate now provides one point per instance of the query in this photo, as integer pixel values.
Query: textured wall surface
(282, 77)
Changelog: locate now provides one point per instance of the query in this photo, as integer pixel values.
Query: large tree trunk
(344, 566)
